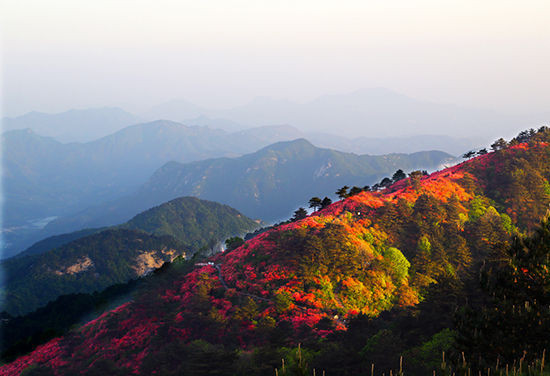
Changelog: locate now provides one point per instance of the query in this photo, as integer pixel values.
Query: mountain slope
(89, 264)
(310, 279)
(56, 241)
(272, 182)
(197, 223)
(268, 184)
(88, 261)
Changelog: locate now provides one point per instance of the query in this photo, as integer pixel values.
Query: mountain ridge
(262, 176)
(74, 125)
(365, 111)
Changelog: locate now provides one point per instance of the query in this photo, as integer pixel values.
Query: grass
(296, 366)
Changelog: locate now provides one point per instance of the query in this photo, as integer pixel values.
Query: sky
(61, 54)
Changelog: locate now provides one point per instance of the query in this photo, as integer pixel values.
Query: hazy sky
(58, 54)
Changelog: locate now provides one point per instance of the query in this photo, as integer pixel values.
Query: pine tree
(399, 175)
(354, 190)
(499, 144)
(300, 213)
(386, 182)
(343, 192)
(326, 202)
(315, 203)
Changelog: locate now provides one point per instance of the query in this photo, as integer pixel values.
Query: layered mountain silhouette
(44, 178)
(376, 111)
(268, 184)
(80, 125)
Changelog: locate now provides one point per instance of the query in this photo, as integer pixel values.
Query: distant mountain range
(376, 111)
(379, 146)
(92, 260)
(73, 125)
(91, 124)
(44, 178)
(268, 184)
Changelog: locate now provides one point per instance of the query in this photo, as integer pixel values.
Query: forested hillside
(381, 282)
(93, 260)
(197, 223)
(86, 265)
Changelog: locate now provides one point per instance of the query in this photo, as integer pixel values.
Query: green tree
(343, 192)
(106, 367)
(247, 311)
(515, 313)
(396, 263)
(399, 175)
(282, 301)
(233, 243)
(499, 144)
(386, 182)
(328, 252)
(355, 190)
(203, 358)
(326, 202)
(524, 136)
(36, 370)
(482, 151)
(315, 203)
(300, 213)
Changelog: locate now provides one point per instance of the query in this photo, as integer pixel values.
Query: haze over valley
(59, 165)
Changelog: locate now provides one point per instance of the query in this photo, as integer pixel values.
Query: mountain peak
(159, 123)
(292, 144)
